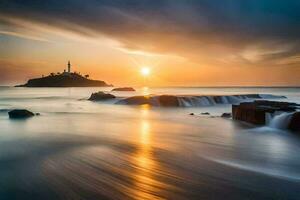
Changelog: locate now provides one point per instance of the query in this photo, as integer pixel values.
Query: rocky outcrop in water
(137, 100)
(226, 115)
(168, 100)
(124, 89)
(162, 100)
(192, 101)
(205, 113)
(256, 112)
(20, 114)
(101, 96)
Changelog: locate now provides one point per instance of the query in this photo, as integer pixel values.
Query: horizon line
(180, 86)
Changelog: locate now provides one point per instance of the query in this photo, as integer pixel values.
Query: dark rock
(192, 114)
(205, 113)
(20, 114)
(226, 115)
(136, 100)
(163, 100)
(124, 89)
(295, 122)
(255, 112)
(168, 101)
(100, 96)
(37, 114)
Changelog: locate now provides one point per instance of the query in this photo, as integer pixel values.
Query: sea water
(78, 149)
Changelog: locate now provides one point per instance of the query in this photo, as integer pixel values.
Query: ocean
(78, 149)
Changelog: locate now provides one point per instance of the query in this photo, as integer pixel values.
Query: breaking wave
(280, 120)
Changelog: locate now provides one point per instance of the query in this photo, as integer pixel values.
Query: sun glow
(145, 71)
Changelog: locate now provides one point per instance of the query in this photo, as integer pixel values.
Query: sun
(145, 71)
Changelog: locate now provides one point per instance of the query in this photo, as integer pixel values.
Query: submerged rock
(20, 114)
(256, 112)
(226, 115)
(205, 113)
(124, 89)
(163, 100)
(136, 100)
(100, 96)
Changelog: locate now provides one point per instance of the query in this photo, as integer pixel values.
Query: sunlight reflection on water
(78, 149)
(146, 185)
(144, 163)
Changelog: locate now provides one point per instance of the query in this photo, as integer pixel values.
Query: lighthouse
(69, 67)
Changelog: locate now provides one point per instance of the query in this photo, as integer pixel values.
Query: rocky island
(65, 79)
(100, 96)
(124, 89)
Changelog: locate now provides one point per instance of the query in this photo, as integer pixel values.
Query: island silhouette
(65, 79)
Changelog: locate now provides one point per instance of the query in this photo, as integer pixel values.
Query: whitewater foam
(280, 120)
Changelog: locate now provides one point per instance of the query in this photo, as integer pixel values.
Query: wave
(4, 110)
(274, 172)
(280, 120)
(193, 101)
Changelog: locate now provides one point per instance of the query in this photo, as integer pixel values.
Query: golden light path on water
(146, 185)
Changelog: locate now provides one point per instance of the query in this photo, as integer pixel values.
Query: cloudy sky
(184, 42)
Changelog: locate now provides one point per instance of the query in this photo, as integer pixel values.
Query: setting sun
(140, 99)
(145, 71)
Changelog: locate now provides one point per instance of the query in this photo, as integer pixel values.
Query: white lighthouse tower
(67, 72)
(69, 67)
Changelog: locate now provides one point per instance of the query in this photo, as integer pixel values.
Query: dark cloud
(185, 27)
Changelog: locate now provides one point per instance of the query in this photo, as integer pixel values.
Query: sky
(183, 42)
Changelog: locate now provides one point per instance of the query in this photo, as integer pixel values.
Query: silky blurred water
(77, 149)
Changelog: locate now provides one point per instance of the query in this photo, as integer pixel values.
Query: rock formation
(124, 89)
(162, 100)
(256, 112)
(20, 114)
(205, 113)
(226, 115)
(100, 96)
